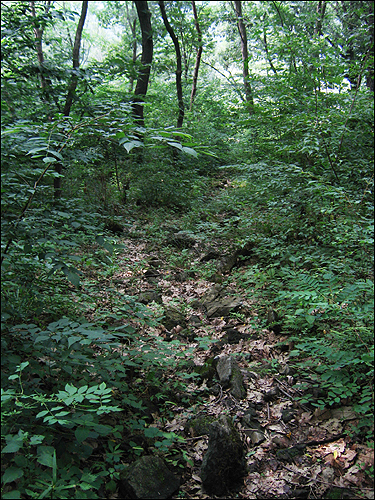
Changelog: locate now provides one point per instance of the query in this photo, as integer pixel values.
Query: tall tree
(181, 107)
(38, 28)
(245, 56)
(76, 48)
(132, 21)
(199, 55)
(71, 89)
(144, 16)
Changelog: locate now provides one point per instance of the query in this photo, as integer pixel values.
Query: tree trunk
(71, 90)
(181, 107)
(245, 56)
(45, 83)
(320, 10)
(144, 16)
(199, 55)
(132, 24)
(76, 49)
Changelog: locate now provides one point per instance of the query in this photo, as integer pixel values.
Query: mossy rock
(207, 370)
(199, 426)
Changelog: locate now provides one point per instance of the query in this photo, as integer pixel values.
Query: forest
(187, 292)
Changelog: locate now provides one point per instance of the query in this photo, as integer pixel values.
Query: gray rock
(230, 376)
(217, 304)
(209, 255)
(195, 321)
(172, 318)
(223, 463)
(149, 296)
(183, 239)
(148, 477)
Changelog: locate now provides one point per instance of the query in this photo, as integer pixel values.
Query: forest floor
(302, 451)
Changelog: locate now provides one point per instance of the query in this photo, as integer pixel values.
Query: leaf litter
(327, 458)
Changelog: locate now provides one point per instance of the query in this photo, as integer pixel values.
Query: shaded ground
(292, 450)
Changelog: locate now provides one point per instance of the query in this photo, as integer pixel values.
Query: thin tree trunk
(199, 55)
(71, 90)
(267, 51)
(45, 83)
(320, 10)
(181, 107)
(245, 56)
(76, 49)
(144, 16)
(132, 25)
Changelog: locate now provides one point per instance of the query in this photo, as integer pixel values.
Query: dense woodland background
(244, 124)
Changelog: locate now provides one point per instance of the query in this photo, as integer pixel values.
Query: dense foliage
(294, 177)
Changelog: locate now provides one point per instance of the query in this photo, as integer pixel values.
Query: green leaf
(175, 145)
(131, 145)
(72, 340)
(82, 433)
(152, 432)
(72, 276)
(11, 494)
(45, 455)
(11, 474)
(190, 151)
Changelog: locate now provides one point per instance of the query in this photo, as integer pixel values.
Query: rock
(223, 307)
(199, 426)
(195, 321)
(234, 259)
(210, 255)
(233, 336)
(271, 394)
(272, 321)
(155, 262)
(182, 239)
(172, 318)
(223, 463)
(184, 276)
(148, 477)
(150, 296)
(217, 305)
(230, 376)
(227, 263)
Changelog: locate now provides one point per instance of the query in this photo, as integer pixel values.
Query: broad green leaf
(11, 495)
(72, 276)
(11, 474)
(131, 145)
(81, 433)
(175, 145)
(190, 151)
(45, 455)
(152, 432)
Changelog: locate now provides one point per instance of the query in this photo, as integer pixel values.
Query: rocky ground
(248, 389)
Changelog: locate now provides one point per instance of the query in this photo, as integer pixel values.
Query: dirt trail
(300, 452)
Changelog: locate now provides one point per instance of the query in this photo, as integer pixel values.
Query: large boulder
(223, 464)
(148, 477)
